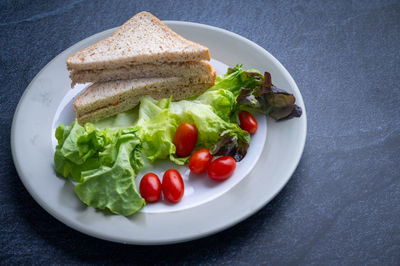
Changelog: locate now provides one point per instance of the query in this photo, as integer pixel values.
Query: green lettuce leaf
(112, 186)
(104, 163)
(78, 148)
(222, 101)
(157, 126)
(236, 78)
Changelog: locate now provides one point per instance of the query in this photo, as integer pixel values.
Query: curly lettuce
(104, 163)
(256, 92)
(112, 186)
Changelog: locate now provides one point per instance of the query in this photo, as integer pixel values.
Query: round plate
(32, 149)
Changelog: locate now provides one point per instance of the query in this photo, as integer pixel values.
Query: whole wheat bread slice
(105, 99)
(177, 93)
(180, 69)
(143, 39)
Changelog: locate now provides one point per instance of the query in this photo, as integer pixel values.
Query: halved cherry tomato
(247, 122)
(150, 187)
(185, 139)
(172, 185)
(222, 168)
(200, 160)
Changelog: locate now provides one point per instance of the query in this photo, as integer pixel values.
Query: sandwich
(105, 99)
(142, 57)
(142, 47)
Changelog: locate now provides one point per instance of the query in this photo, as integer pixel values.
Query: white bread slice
(143, 39)
(105, 99)
(181, 69)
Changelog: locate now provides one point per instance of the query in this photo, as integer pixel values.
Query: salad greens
(112, 186)
(77, 149)
(104, 163)
(262, 96)
(104, 157)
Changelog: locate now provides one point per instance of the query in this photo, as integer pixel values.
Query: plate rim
(228, 224)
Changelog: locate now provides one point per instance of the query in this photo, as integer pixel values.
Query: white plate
(32, 148)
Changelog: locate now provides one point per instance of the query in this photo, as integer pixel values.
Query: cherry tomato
(172, 185)
(222, 168)
(185, 139)
(200, 160)
(247, 122)
(150, 187)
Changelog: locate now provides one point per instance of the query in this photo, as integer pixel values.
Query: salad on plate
(209, 132)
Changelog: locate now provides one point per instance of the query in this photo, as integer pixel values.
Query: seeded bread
(143, 39)
(181, 69)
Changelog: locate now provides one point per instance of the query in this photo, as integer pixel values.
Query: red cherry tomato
(185, 139)
(222, 168)
(247, 122)
(150, 187)
(172, 185)
(200, 160)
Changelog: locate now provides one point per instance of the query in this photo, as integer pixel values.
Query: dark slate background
(342, 205)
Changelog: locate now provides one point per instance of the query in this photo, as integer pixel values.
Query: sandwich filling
(186, 69)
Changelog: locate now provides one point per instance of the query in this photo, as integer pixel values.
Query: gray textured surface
(342, 205)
